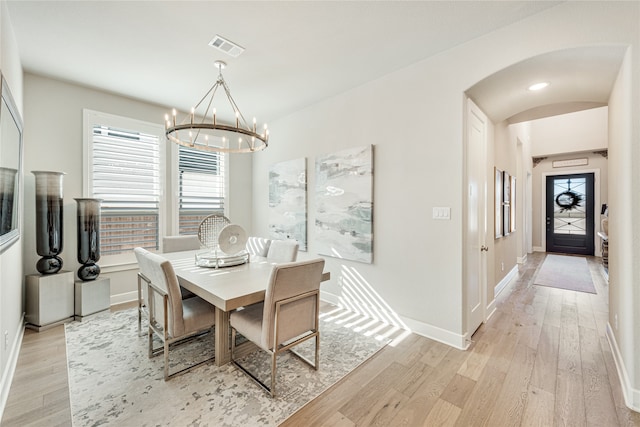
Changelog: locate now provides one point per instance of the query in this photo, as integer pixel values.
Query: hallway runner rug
(113, 382)
(566, 272)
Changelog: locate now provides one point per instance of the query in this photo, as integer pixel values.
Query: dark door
(570, 214)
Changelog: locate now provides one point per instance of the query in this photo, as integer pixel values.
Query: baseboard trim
(506, 280)
(10, 369)
(498, 289)
(522, 259)
(429, 331)
(631, 395)
(538, 249)
(124, 298)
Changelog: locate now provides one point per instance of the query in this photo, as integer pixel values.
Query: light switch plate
(442, 213)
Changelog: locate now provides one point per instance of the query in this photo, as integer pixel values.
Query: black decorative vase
(88, 238)
(49, 220)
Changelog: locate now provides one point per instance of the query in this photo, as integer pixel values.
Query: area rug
(113, 382)
(566, 272)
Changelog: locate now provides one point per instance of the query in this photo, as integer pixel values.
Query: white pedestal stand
(50, 300)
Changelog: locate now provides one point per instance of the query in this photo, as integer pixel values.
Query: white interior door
(476, 249)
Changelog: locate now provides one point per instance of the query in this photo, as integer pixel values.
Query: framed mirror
(10, 168)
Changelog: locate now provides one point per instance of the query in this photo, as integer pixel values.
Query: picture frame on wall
(498, 195)
(506, 203)
(512, 203)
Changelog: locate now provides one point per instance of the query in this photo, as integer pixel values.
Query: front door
(570, 217)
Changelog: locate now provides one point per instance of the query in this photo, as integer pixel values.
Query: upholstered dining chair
(169, 244)
(179, 244)
(171, 318)
(258, 246)
(282, 251)
(288, 316)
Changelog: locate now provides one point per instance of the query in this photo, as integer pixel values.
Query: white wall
(414, 119)
(624, 236)
(505, 253)
(580, 131)
(11, 293)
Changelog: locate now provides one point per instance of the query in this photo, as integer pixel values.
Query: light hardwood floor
(541, 360)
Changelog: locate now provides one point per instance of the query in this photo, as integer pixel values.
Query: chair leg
(317, 352)
(233, 341)
(150, 336)
(166, 360)
(139, 305)
(273, 374)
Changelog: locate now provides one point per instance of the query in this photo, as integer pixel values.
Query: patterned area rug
(113, 382)
(565, 272)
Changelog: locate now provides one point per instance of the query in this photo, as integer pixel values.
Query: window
(126, 167)
(201, 187)
(124, 170)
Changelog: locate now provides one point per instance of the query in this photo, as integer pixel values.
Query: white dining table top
(227, 288)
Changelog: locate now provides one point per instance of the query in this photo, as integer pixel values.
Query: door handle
(484, 248)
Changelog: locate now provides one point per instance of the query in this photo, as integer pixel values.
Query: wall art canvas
(288, 201)
(344, 204)
(506, 203)
(512, 202)
(498, 197)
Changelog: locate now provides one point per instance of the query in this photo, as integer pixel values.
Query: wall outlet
(615, 321)
(502, 266)
(6, 340)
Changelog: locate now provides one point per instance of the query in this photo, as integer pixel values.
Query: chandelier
(201, 129)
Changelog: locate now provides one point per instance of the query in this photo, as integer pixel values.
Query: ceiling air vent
(226, 46)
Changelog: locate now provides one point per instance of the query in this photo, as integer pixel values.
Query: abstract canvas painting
(344, 204)
(288, 201)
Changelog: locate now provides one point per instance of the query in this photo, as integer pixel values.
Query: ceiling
(579, 79)
(296, 53)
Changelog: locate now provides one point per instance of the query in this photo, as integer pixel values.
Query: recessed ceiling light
(538, 86)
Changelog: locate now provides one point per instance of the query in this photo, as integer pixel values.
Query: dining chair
(179, 244)
(282, 251)
(258, 246)
(288, 316)
(169, 244)
(171, 318)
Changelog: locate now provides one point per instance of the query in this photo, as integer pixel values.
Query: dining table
(227, 288)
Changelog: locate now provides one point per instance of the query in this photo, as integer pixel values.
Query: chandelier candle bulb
(193, 113)
(237, 119)
(254, 125)
(214, 116)
(175, 113)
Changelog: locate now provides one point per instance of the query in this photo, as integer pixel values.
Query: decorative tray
(211, 259)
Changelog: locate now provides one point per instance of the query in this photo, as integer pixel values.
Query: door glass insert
(569, 213)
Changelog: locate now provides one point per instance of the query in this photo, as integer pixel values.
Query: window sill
(114, 268)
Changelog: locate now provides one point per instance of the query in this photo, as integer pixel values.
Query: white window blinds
(201, 183)
(125, 174)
